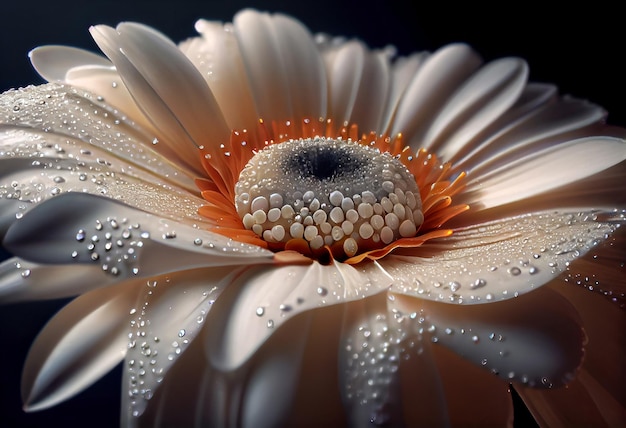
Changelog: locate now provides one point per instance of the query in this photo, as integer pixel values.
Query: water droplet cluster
(78, 143)
(114, 243)
(160, 333)
(503, 259)
(328, 192)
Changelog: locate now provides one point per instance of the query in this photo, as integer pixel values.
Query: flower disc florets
(328, 192)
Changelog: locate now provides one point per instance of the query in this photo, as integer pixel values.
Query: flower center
(329, 192)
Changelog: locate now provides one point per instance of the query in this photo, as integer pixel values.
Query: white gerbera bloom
(256, 260)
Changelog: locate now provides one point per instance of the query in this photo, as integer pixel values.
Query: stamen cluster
(328, 192)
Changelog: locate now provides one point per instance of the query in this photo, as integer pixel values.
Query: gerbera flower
(270, 228)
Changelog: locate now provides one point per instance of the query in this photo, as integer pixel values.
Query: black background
(580, 49)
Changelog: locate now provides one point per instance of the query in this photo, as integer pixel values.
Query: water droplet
(515, 271)
(322, 291)
(260, 311)
(181, 333)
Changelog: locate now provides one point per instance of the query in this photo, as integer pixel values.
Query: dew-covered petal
(122, 241)
(78, 346)
(369, 360)
(169, 313)
(535, 339)
(481, 100)
(77, 122)
(255, 305)
(217, 57)
(544, 170)
(500, 259)
(36, 166)
(24, 281)
(433, 83)
(186, 113)
(284, 68)
(257, 394)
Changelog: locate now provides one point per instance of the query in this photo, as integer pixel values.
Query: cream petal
(557, 121)
(596, 287)
(485, 96)
(218, 58)
(275, 368)
(402, 71)
(373, 93)
(544, 170)
(122, 241)
(39, 166)
(344, 67)
(23, 281)
(61, 113)
(535, 339)
(108, 85)
(431, 86)
(254, 305)
(96, 74)
(78, 346)
(53, 62)
(169, 313)
(498, 260)
(473, 397)
(369, 359)
(284, 68)
(535, 97)
(259, 393)
(186, 113)
(581, 403)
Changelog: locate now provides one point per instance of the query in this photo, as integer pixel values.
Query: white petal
(481, 100)
(369, 360)
(40, 165)
(344, 67)
(433, 83)
(544, 170)
(497, 260)
(284, 68)
(186, 113)
(373, 92)
(124, 242)
(78, 346)
(22, 281)
(217, 56)
(402, 71)
(565, 119)
(253, 306)
(170, 312)
(535, 339)
(48, 115)
(276, 368)
(53, 62)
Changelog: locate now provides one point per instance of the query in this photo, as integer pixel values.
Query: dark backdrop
(579, 49)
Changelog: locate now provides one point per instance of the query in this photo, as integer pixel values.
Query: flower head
(257, 217)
